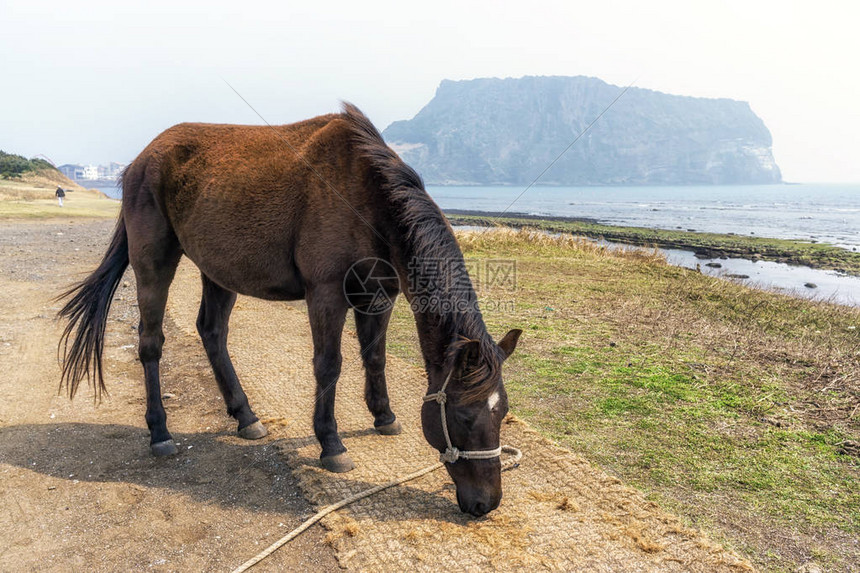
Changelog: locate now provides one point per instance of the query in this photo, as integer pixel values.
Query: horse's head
(473, 398)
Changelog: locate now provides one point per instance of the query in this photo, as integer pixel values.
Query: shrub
(12, 165)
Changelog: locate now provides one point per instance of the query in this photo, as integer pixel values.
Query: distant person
(60, 194)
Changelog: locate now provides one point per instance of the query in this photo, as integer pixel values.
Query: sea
(825, 213)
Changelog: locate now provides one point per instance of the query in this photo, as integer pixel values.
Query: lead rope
(509, 463)
(451, 455)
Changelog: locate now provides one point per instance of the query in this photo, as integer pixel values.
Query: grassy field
(739, 409)
(815, 255)
(33, 198)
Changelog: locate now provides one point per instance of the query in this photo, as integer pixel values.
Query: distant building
(72, 170)
(76, 172)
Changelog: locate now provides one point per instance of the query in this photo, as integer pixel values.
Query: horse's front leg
(371, 329)
(327, 312)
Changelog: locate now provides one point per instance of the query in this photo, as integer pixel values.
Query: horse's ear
(469, 355)
(509, 342)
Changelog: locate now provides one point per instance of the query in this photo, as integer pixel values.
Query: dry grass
(527, 241)
(560, 501)
(34, 199)
(340, 526)
(504, 539)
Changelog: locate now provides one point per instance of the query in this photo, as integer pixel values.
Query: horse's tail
(87, 313)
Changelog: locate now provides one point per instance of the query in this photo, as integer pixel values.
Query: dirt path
(80, 492)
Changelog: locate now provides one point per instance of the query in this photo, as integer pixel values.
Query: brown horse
(308, 210)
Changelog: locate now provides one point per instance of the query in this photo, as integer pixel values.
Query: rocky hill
(506, 131)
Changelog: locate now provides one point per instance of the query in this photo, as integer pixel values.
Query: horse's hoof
(254, 432)
(338, 464)
(391, 429)
(165, 448)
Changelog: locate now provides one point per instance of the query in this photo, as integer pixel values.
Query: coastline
(706, 245)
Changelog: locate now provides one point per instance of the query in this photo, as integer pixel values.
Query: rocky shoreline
(704, 245)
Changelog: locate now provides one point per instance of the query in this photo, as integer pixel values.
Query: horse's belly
(268, 275)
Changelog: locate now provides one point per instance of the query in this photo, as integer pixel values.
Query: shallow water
(790, 279)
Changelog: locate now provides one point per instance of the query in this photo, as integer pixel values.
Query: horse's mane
(427, 236)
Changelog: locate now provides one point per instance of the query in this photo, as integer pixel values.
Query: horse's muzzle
(480, 505)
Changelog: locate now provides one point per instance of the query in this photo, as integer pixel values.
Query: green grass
(665, 422)
(816, 255)
(725, 404)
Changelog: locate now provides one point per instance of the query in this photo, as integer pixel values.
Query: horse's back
(254, 206)
(191, 156)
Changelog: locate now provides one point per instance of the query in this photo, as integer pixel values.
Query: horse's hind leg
(212, 321)
(154, 253)
(371, 330)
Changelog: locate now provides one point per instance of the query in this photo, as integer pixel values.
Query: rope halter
(452, 454)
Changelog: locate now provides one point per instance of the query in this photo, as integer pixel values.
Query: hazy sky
(92, 81)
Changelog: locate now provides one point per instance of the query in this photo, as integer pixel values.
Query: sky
(93, 81)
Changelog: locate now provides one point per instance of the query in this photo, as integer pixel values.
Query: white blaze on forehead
(493, 400)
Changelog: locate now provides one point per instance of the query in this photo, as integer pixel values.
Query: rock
(735, 276)
(714, 265)
(810, 285)
(849, 448)
(491, 131)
